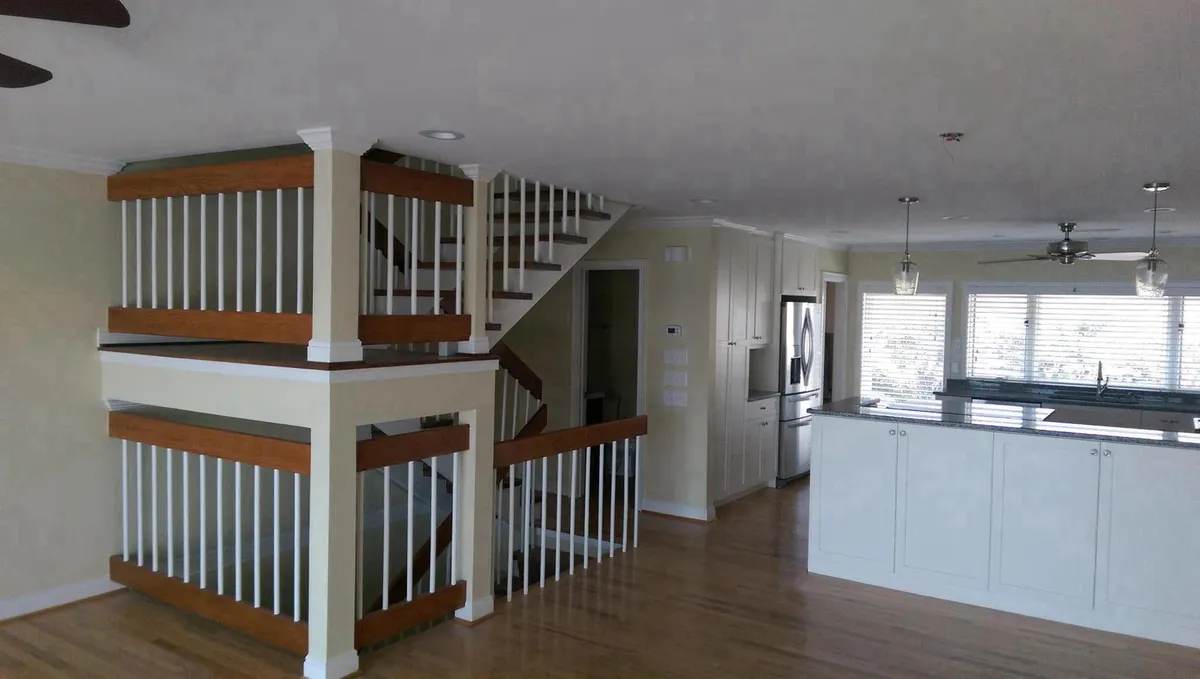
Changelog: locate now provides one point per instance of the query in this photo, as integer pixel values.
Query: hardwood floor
(730, 599)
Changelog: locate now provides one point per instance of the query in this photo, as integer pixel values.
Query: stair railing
(519, 393)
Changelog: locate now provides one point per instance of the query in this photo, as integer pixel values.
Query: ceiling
(807, 116)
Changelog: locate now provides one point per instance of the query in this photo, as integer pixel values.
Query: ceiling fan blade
(109, 13)
(1027, 258)
(15, 73)
(1117, 256)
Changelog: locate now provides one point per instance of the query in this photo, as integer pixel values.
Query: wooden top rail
(264, 451)
(385, 451)
(393, 180)
(290, 172)
(565, 440)
(237, 326)
(519, 369)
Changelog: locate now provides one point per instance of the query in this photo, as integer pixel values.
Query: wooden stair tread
(400, 292)
(511, 294)
(493, 327)
(513, 264)
(559, 238)
(547, 217)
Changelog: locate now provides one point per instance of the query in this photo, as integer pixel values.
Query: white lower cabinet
(856, 475)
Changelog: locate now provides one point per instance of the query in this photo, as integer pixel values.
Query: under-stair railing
(566, 458)
(412, 264)
(408, 573)
(217, 251)
(528, 220)
(519, 394)
(203, 528)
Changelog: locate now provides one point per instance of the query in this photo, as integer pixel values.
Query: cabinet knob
(1107, 452)
(892, 432)
(1093, 451)
(903, 433)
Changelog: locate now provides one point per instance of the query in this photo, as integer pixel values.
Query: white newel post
(335, 257)
(333, 503)
(475, 302)
(476, 500)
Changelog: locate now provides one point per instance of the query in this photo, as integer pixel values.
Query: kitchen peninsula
(1012, 508)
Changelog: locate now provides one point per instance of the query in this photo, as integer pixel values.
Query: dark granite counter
(1047, 393)
(1018, 419)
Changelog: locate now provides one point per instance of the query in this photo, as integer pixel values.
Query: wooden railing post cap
(479, 173)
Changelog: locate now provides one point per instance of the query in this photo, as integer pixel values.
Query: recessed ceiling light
(953, 218)
(442, 135)
(1159, 209)
(704, 201)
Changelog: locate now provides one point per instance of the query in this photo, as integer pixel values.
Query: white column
(331, 586)
(475, 248)
(336, 183)
(474, 497)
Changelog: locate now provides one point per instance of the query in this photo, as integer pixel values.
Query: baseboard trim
(57, 597)
(678, 510)
(475, 612)
(337, 667)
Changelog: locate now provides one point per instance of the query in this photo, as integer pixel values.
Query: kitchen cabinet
(854, 491)
(1046, 493)
(764, 306)
(727, 438)
(1149, 547)
(761, 450)
(801, 273)
(746, 305)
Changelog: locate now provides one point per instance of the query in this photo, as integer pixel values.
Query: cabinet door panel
(768, 450)
(740, 291)
(858, 489)
(1150, 548)
(735, 419)
(1044, 531)
(944, 528)
(764, 267)
(719, 405)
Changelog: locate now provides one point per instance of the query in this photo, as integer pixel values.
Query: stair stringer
(508, 311)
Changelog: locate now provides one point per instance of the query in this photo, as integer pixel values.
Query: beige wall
(59, 473)
(956, 267)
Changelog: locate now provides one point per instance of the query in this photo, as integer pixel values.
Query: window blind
(903, 346)
(996, 336)
(1189, 340)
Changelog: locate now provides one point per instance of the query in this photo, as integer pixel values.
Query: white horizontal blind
(903, 345)
(1189, 340)
(996, 335)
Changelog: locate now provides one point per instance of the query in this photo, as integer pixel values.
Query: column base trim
(475, 611)
(475, 345)
(326, 351)
(337, 667)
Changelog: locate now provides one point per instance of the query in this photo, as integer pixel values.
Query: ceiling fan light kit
(1150, 275)
(906, 273)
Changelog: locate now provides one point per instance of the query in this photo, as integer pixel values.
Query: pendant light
(906, 272)
(1150, 277)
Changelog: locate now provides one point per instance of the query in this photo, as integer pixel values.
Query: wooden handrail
(565, 440)
(519, 369)
(393, 180)
(290, 172)
(385, 451)
(264, 451)
(237, 326)
(401, 329)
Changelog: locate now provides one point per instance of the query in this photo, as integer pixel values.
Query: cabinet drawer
(767, 407)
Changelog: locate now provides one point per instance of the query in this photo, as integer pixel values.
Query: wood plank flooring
(730, 599)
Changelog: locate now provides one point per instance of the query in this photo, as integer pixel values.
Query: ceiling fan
(15, 73)
(1067, 251)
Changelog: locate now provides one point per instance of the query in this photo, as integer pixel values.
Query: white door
(768, 450)
(1149, 556)
(1044, 525)
(944, 508)
(856, 516)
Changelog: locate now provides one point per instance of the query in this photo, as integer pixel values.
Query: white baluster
(507, 244)
(599, 504)
(413, 263)
(170, 512)
(521, 254)
(589, 200)
(503, 403)
(574, 490)
(170, 255)
(625, 506)
(576, 213)
(455, 511)
(278, 259)
(203, 252)
(296, 523)
(140, 501)
(437, 262)
(566, 194)
(391, 262)
(433, 523)
(154, 508)
(257, 512)
(277, 555)
(387, 531)
(239, 284)
(512, 522)
(545, 484)
(587, 502)
(300, 270)
(405, 263)
(372, 253)
(459, 253)
(200, 460)
(125, 259)
(489, 278)
(137, 253)
(124, 499)
(258, 256)
(220, 526)
(364, 259)
(612, 504)
(359, 545)
(601, 203)
(557, 521)
(154, 254)
(187, 247)
(409, 559)
(220, 253)
(550, 222)
(516, 406)
(637, 477)
(537, 221)
(527, 521)
(187, 518)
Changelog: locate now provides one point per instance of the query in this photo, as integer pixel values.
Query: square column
(477, 249)
(337, 166)
(476, 503)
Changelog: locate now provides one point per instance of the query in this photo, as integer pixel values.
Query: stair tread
(559, 238)
(511, 294)
(513, 264)
(494, 327)
(547, 216)
(407, 292)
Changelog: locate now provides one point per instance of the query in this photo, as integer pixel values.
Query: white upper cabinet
(764, 305)
(801, 269)
(745, 301)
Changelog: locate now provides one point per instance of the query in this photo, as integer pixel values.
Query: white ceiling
(809, 116)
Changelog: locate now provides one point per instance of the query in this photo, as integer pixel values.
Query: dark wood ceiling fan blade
(15, 73)
(109, 13)
(1027, 258)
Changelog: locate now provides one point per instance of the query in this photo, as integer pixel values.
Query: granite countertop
(1050, 393)
(963, 413)
(756, 395)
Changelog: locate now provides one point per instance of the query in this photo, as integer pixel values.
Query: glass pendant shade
(905, 275)
(1150, 276)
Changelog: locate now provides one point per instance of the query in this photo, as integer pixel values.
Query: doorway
(836, 299)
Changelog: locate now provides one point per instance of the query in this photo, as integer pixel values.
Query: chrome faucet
(1101, 380)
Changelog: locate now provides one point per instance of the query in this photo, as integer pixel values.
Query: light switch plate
(675, 378)
(676, 398)
(675, 357)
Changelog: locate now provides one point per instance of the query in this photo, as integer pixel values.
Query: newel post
(478, 259)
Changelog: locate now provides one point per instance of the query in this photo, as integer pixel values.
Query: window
(903, 345)
(1062, 337)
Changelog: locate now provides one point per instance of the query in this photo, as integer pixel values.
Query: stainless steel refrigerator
(802, 332)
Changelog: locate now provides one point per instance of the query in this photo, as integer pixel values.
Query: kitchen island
(999, 506)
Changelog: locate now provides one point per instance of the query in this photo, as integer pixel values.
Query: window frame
(877, 287)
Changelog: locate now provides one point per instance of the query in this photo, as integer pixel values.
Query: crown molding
(479, 173)
(1032, 246)
(326, 139)
(666, 223)
(52, 160)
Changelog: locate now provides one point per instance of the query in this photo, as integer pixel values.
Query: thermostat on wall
(674, 331)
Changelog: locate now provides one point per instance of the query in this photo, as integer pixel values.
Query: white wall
(59, 473)
(957, 267)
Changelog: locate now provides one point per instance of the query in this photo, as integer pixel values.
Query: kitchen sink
(1126, 418)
